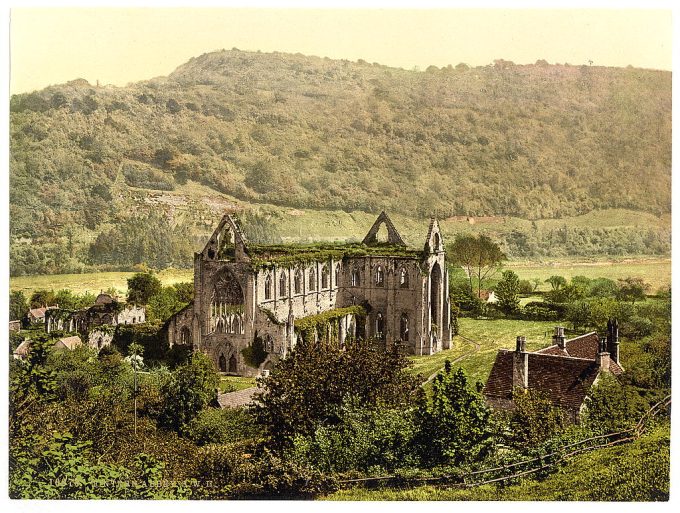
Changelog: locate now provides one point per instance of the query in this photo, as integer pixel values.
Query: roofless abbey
(271, 296)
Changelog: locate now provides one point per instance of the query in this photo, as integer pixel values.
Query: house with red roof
(563, 372)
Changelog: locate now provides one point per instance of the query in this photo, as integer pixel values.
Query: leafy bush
(147, 178)
(221, 426)
(454, 426)
(363, 439)
(306, 389)
(612, 407)
(192, 387)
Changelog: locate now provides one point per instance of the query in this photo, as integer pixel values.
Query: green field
(655, 271)
(235, 383)
(91, 282)
(427, 365)
(478, 342)
(496, 334)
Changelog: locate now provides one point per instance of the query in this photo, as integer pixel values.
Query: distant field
(91, 282)
(656, 272)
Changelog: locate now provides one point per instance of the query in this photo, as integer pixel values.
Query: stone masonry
(246, 291)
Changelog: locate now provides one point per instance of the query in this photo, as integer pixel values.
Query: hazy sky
(117, 46)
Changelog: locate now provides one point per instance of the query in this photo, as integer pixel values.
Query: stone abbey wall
(237, 303)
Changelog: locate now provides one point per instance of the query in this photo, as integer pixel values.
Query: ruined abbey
(253, 303)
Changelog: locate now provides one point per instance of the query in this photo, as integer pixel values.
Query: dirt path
(237, 399)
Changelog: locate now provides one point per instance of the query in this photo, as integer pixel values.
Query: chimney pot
(558, 337)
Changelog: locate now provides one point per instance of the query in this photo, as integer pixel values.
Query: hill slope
(232, 129)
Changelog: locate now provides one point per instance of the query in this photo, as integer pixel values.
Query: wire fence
(500, 474)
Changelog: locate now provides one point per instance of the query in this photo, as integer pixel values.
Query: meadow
(656, 272)
(91, 282)
(475, 348)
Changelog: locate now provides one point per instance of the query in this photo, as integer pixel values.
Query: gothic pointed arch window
(325, 275)
(379, 326)
(356, 278)
(282, 285)
(297, 282)
(337, 275)
(237, 325)
(403, 278)
(312, 280)
(380, 276)
(268, 343)
(223, 363)
(268, 287)
(403, 327)
(185, 336)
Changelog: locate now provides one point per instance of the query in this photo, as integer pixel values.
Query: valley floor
(655, 271)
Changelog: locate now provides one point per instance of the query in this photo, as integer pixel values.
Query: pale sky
(118, 46)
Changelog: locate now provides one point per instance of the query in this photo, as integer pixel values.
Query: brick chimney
(558, 337)
(613, 339)
(520, 367)
(603, 358)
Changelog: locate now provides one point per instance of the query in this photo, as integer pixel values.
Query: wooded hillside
(240, 128)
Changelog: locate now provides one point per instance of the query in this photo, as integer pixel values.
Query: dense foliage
(307, 388)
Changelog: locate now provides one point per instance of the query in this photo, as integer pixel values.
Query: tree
(161, 306)
(611, 406)
(18, 306)
(454, 428)
(141, 287)
(507, 292)
(306, 389)
(632, 290)
(557, 282)
(479, 256)
(534, 419)
(190, 389)
(31, 381)
(42, 297)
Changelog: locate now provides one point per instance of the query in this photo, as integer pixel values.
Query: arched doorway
(435, 293)
(223, 363)
(232, 363)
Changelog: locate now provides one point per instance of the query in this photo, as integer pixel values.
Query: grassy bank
(635, 472)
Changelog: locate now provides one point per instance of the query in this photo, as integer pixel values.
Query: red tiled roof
(499, 383)
(584, 346)
(23, 348)
(564, 380)
(38, 312)
(69, 342)
(564, 375)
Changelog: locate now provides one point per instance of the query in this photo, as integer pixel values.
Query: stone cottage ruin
(262, 299)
